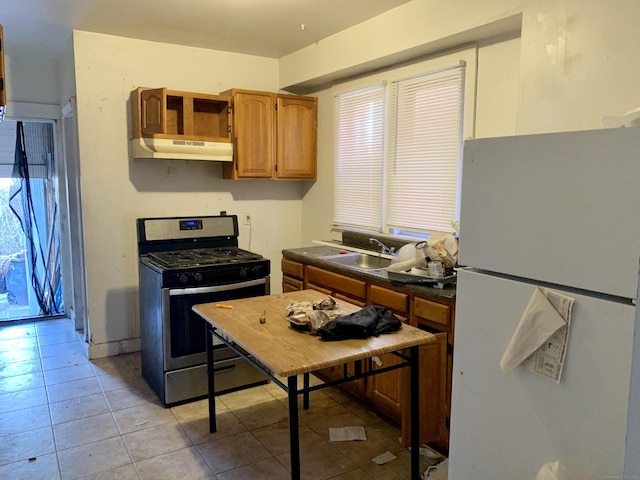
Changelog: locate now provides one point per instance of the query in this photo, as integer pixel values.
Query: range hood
(181, 149)
(177, 125)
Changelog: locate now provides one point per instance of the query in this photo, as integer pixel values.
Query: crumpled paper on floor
(347, 434)
(383, 458)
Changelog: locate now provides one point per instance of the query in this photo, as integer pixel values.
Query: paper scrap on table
(381, 459)
(347, 434)
(540, 341)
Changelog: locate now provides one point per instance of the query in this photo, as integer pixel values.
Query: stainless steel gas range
(185, 261)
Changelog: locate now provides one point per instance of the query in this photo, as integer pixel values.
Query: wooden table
(280, 351)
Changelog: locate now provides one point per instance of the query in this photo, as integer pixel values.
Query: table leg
(305, 393)
(294, 433)
(415, 413)
(211, 382)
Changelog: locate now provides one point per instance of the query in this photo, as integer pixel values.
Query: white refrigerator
(560, 211)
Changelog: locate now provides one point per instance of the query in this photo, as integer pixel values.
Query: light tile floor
(65, 417)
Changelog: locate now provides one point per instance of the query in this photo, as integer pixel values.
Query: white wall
(578, 59)
(66, 72)
(497, 88)
(116, 189)
(412, 29)
(31, 80)
(579, 62)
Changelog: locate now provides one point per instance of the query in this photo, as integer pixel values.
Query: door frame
(69, 199)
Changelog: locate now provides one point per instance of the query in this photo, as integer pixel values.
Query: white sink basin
(359, 260)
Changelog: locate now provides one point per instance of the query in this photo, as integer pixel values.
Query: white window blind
(424, 151)
(38, 143)
(359, 150)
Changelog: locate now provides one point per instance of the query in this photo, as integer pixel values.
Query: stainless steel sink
(359, 260)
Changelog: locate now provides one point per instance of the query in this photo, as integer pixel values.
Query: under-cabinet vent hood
(181, 149)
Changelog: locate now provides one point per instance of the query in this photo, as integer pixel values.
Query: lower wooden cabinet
(291, 284)
(340, 286)
(385, 389)
(292, 276)
(434, 410)
(438, 318)
(353, 291)
(389, 392)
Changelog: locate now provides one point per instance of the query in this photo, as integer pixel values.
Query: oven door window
(187, 330)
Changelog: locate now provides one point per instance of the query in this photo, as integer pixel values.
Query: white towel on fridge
(539, 322)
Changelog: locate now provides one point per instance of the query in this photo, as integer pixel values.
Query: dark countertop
(312, 256)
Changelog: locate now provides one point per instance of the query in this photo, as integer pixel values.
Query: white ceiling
(270, 28)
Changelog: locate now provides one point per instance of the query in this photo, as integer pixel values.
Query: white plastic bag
(439, 471)
(443, 246)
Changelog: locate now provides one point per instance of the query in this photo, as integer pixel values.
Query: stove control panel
(191, 278)
(252, 272)
(190, 224)
(219, 275)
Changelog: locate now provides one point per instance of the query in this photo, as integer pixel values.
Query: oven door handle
(216, 288)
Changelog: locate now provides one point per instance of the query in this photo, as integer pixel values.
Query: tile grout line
(102, 391)
(193, 444)
(46, 393)
(122, 435)
(111, 411)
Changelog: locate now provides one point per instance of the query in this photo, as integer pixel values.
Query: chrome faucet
(383, 247)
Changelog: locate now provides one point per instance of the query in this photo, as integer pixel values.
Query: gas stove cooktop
(197, 252)
(200, 257)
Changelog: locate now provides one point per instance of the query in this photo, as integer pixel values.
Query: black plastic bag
(369, 321)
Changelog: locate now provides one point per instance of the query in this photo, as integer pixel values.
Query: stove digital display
(190, 224)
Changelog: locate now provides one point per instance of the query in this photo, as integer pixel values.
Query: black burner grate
(202, 257)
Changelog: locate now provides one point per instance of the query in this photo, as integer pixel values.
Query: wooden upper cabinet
(3, 81)
(297, 137)
(252, 132)
(152, 112)
(162, 113)
(274, 136)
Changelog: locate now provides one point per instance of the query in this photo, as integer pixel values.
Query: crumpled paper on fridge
(538, 323)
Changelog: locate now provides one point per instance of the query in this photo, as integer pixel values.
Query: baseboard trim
(110, 349)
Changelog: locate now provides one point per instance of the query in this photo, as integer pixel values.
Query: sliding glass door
(31, 283)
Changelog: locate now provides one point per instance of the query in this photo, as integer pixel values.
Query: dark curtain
(28, 203)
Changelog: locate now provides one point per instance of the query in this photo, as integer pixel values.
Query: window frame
(468, 56)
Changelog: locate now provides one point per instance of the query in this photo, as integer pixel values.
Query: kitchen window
(398, 149)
